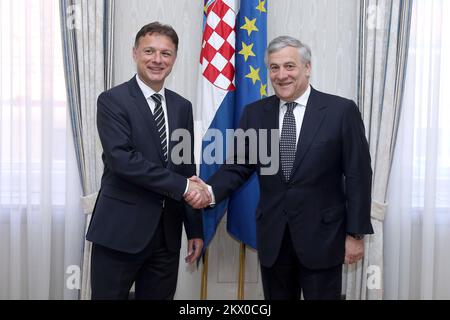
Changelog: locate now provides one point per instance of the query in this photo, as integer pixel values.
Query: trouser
(154, 271)
(287, 279)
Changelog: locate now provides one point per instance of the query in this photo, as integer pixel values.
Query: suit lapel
(312, 121)
(144, 109)
(271, 115)
(270, 121)
(172, 118)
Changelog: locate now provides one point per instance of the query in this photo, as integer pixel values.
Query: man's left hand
(195, 247)
(354, 250)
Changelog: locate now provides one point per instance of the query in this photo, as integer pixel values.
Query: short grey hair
(286, 41)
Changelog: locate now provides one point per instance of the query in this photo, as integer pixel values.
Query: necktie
(158, 114)
(288, 141)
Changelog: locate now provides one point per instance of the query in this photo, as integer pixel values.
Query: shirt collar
(302, 100)
(147, 91)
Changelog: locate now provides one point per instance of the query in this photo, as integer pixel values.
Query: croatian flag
(232, 76)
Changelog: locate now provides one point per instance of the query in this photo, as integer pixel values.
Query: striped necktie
(160, 121)
(288, 141)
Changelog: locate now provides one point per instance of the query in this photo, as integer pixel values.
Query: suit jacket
(329, 193)
(136, 181)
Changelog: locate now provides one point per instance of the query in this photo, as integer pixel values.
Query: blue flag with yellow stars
(232, 75)
(251, 85)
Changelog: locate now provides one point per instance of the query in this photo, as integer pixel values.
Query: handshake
(198, 195)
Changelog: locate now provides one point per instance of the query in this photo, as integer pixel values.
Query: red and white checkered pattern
(218, 45)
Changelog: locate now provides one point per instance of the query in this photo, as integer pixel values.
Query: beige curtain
(417, 227)
(41, 228)
(384, 35)
(87, 28)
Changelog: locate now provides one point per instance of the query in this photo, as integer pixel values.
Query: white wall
(329, 27)
(185, 16)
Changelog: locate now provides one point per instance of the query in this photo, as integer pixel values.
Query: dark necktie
(288, 141)
(158, 114)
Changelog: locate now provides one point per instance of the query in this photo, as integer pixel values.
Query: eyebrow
(153, 48)
(283, 63)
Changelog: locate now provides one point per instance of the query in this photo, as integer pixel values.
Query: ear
(308, 69)
(134, 53)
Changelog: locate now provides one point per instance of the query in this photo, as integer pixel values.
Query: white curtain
(87, 33)
(384, 34)
(41, 222)
(417, 233)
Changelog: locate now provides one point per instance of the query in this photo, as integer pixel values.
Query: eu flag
(232, 76)
(251, 85)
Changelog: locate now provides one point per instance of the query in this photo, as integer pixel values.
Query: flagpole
(204, 283)
(241, 278)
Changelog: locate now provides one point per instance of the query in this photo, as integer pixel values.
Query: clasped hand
(198, 195)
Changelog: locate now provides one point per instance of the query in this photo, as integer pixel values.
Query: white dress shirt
(299, 112)
(148, 92)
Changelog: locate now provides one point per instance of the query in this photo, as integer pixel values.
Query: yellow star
(247, 51)
(206, 6)
(254, 75)
(261, 7)
(249, 26)
(262, 90)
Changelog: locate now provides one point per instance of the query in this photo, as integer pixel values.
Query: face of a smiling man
(288, 73)
(155, 56)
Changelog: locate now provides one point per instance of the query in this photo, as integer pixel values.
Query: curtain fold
(418, 220)
(384, 34)
(41, 226)
(87, 33)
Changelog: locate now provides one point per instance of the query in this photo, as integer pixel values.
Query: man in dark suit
(313, 213)
(137, 222)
